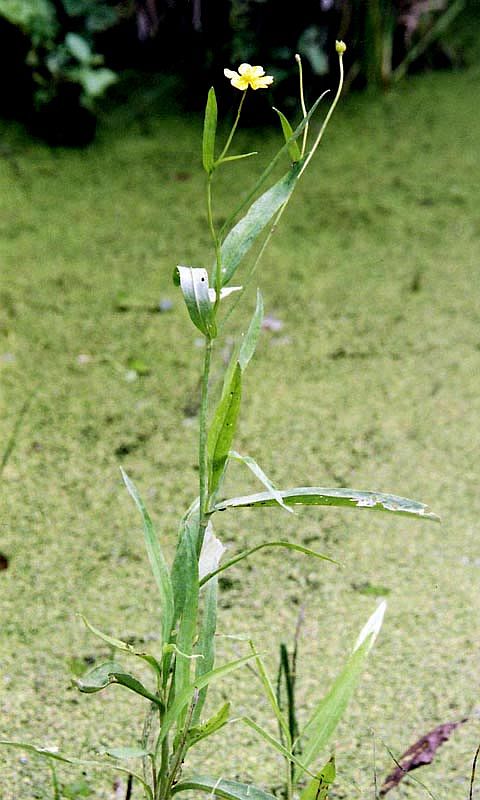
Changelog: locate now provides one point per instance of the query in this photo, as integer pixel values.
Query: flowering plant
(183, 667)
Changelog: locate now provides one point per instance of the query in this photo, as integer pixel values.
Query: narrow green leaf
(230, 790)
(237, 158)
(124, 647)
(188, 621)
(130, 682)
(110, 673)
(288, 545)
(270, 694)
(259, 473)
(241, 238)
(331, 708)
(206, 641)
(318, 788)
(212, 725)
(270, 167)
(252, 335)
(181, 567)
(81, 762)
(55, 784)
(157, 561)
(209, 132)
(98, 677)
(275, 744)
(183, 699)
(194, 285)
(320, 496)
(293, 148)
(126, 752)
(222, 429)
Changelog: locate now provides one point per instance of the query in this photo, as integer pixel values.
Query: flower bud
(340, 47)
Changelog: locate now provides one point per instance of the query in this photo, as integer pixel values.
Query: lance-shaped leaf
(330, 710)
(212, 725)
(124, 753)
(209, 132)
(193, 282)
(206, 641)
(110, 673)
(246, 553)
(275, 744)
(188, 621)
(344, 498)
(124, 647)
(230, 790)
(222, 429)
(259, 473)
(181, 574)
(252, 335)
(82, 762)
(241, 238)
(183, 699)
(157, 561)
(318, 788)
(293, 148)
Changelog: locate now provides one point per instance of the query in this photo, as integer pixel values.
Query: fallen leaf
(420, 753)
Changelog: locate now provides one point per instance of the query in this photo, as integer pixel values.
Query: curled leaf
(193, 282)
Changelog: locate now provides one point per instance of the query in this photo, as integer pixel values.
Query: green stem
(203, 446)
(302, 103)
(232, 132)
(326, 121)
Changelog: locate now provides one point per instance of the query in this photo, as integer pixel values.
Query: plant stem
(203, 442)
(326, 121)
(302, 103)
(232, 132)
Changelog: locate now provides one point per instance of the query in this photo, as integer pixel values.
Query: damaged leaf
(419, 754)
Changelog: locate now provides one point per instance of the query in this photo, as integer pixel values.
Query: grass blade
(329, 711)
(157, 561)
(346, 498)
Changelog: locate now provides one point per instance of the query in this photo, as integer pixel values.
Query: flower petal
(229, 73)
(256, 72)
(244, 68)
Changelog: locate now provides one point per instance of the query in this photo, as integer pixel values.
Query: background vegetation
(62, 56)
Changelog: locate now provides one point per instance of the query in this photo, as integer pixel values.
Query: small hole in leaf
(3, 561)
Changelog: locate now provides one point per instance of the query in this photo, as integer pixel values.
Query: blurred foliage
(57, 76)
(52, 47)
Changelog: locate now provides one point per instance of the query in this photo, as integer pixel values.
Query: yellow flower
(248, 76)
